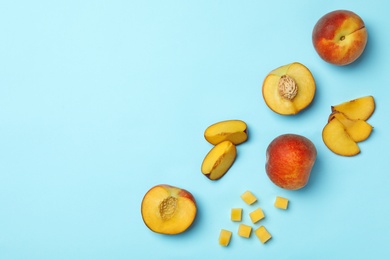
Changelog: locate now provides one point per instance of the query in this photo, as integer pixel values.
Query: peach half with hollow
(340, 37)
(289, 161)
(167, 209)
(289, 89)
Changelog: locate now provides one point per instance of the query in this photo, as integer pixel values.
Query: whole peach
(340, 37)
(289, 161)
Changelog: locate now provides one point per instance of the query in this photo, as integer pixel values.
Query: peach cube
(248, 197)
(236, 214)
(244, 230)
(281, 203)
(256, 215)
(263, 234)
(224, 237)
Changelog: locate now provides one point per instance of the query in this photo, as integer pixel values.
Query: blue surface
(101, 100)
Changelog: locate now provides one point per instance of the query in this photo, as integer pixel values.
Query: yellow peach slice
(358, 130)
(338, 140)
(232, 130)
(219, 159)
(360, 108)
(289, 89)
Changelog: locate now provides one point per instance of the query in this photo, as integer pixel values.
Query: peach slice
(289, 89)
(166, 209)
(219, 159)
(360, 108)
(338, 140)
(358, 130)
(233, 130)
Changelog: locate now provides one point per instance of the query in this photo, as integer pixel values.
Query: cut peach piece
(248, 197)
(218, 161)
(244, 230)
(167, 209)
(234, 131)
(289, 89)
(236, 214)
(360, 108)
(338, 140)
(256, 215)
(281, 203)
(224, 237)
(263, 234)
(359, 130)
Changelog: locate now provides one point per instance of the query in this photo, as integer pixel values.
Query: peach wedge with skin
(218, 160)
(289, 89)
(166, 209)
(338, 140)
(358, 130)
(234, 131)
(361, 108)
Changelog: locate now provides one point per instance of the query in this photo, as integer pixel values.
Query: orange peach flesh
(168, 210)
(340, 37)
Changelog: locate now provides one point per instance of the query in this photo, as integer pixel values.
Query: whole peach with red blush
(340, 37)
(289, 161)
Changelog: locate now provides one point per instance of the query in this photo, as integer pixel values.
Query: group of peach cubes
(256, 215)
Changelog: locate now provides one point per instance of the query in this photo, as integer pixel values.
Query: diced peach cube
(263, 234)
(281, 203)
(236, 214)
(244, 230)
(224, 237)
(256, 215)
(248, 197)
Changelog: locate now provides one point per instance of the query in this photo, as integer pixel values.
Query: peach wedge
(232, 130)
(166, 209)
(338, 140)
(218, 160)
(359, 130)
(289, 89)
(360, 108)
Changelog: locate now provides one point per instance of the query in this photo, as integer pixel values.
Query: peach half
(289, 89)
(166, 209)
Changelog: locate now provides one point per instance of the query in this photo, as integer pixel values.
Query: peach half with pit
(167, 209)
(289, 89)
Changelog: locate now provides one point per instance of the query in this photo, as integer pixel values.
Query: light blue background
(101, 100)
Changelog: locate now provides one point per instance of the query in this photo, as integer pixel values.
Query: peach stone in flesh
(166, 209)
